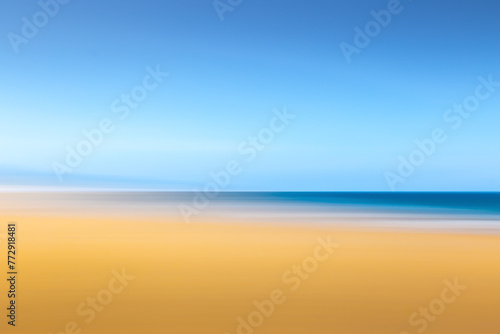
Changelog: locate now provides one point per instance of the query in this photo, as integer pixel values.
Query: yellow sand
(200, 278)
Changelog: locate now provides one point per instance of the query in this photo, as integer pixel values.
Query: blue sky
(225, 78)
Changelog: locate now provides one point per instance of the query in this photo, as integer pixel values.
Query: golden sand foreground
(152, 275)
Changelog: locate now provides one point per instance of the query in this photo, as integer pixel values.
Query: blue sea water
(463, 202)
(456, 203)
(425, 205)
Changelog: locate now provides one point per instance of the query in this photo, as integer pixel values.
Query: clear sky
(227, 80)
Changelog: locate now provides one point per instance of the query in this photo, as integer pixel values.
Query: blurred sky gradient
(226, 78)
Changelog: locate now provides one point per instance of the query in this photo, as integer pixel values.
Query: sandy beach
(125, 273)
